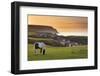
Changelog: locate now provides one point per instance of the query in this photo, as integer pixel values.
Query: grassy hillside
(79, 39)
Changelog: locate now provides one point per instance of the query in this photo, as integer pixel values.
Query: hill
(42, 29)
(78, 39)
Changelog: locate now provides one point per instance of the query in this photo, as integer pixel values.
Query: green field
(53, 53)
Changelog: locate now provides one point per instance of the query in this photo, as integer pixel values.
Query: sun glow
(68, 25)
(72, 33)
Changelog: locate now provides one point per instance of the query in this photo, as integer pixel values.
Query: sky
(65, 25)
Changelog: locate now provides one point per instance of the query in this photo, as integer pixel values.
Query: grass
(31, 33)
(53, 53)
(40, 38)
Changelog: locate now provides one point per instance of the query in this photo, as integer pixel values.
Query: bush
(47, 42)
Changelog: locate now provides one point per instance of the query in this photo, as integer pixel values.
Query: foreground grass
(58, 53)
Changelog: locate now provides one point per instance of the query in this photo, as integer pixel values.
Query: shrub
(48, 42)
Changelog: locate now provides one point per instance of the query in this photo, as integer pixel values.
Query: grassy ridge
(40, 38)
(53, 53)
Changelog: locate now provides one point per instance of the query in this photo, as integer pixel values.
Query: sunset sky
(69, 25)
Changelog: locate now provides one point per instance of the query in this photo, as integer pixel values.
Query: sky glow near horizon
(66, 26)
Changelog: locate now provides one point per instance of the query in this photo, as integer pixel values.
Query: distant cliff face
(41, 29)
